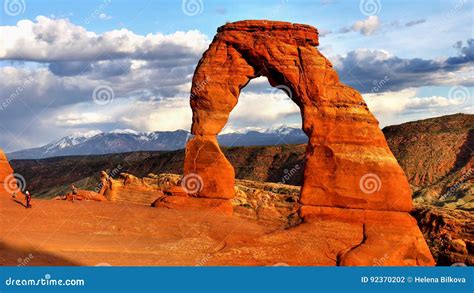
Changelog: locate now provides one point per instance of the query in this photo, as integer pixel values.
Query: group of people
(28, 196)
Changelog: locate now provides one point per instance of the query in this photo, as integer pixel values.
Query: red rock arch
(348, 162)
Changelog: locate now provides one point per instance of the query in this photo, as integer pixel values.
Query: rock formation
(83, 195)
(348, 162)
(129, 188)
(350, 174)
(8, 183)
(449, 234)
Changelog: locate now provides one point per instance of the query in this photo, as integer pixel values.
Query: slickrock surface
(129, 234)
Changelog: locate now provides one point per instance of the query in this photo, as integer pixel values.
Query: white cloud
(151, 78)
(366, 27)
(401, 106)
(364, 69)
(49, 40)
(104, 16)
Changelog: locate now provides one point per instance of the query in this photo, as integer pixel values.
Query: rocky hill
(436, 155)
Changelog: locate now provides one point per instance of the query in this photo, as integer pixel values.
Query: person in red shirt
(28, 199)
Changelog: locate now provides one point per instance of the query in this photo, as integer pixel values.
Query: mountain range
(120, 141)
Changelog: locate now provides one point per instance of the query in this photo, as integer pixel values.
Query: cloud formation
(54, 40)
(365, 69)
(51, 68)
(366, 27)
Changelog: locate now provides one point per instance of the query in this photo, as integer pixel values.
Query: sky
(78, 66)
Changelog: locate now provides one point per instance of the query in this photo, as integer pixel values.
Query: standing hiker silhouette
(28, 199)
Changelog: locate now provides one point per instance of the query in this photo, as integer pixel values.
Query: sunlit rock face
(8, 184)
(348, 162)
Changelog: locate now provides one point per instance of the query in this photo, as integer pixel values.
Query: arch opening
(345, 143)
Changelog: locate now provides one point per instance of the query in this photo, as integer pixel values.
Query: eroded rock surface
(129, 188)
(345, 141)
(8, 184)
(350, 178)
(449, 233)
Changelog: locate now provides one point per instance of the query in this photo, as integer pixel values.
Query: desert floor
(56, 232)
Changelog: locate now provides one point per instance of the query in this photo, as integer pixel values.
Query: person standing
(28, 199)
(74, 193)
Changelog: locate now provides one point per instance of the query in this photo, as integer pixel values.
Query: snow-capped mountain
(71, 140)
(127, 140)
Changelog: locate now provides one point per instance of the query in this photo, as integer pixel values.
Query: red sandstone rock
(387, 238)
(129, 188)
(348, 162)
(210, 169)
(86, 195)
(192, 203)
(8, 184)
(175, 191)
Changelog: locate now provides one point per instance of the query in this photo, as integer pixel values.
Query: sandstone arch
(347, 151)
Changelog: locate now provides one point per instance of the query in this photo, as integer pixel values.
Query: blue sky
(60, 50)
